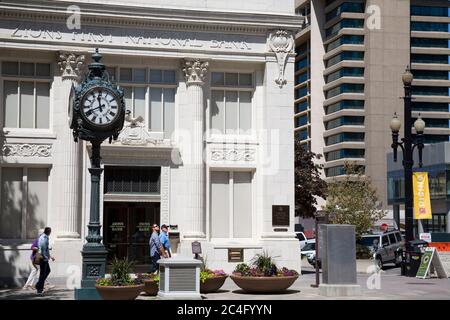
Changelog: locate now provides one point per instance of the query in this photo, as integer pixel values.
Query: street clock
(96, 106)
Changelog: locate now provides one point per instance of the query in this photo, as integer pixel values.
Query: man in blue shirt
(164, 239)
(156, 249)
(43, 245)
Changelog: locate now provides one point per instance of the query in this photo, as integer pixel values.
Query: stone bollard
(179, 278)
(338, 254)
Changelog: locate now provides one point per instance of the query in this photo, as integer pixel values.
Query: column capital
(70, 65)
(195, 71)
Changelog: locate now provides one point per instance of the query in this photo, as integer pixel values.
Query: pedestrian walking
(44, 256)
(156, 249)
(34, 274)
(164, 239)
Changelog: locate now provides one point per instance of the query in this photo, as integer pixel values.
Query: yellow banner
(422, 203)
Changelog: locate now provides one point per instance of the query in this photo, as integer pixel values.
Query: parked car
(302, 238)
(312, 260)
(308, 248)
(386, 247)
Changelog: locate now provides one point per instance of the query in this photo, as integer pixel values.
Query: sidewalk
(392, 287)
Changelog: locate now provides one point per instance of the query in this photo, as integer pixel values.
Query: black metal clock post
(97, 113)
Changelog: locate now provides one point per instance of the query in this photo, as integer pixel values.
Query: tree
(308, 182)
(353, 200)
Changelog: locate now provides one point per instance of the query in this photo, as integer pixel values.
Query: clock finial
(96, 68)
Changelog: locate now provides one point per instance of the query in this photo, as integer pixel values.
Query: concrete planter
(263, 284)
(120, 292)
(212, 284)
(363, 265)
(151, 287)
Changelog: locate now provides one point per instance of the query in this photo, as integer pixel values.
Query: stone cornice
(146, 17)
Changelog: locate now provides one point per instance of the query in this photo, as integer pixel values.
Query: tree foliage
(353, 200)
(308, 181)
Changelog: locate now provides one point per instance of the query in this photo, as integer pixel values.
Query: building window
(24, 202)
(302, 134)
(430, 106)
(344, 137)
(435, 123)
(345, 72)
(231, 102)
(340, 170)
(431, 74)
(344, 23)
(144, 180)
(429, 26)
(345, 7)
(343, 105)
(345, 88)
(302, 106)
(345, 39)
(344, 153)
(302, 77)
(301, 92)
(429, 58)
(300, 64)
(429, 91)
(231, 204)
(301, 121)
(429, 11)
(26, 95)
(429, 43)
(346, 55)
(345, 121)
(151, 95)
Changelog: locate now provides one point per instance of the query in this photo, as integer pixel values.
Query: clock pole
(94, 253)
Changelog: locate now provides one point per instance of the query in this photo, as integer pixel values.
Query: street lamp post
(408, 145)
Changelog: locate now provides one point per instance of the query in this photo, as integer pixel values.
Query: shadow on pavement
(19, 294)
(285, 292)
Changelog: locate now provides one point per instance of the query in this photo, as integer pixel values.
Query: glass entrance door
(127, 230)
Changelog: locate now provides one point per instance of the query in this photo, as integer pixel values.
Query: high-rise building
(350, 57)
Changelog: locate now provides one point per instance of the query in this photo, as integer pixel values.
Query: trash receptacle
(412, 256)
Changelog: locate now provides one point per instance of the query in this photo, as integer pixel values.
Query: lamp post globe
(395, 123)
(419, 125)
(407, 77)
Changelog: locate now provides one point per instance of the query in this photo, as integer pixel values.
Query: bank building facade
(207, 146)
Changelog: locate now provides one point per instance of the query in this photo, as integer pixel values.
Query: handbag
(38, 258)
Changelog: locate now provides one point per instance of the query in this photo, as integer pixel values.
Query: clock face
(100, 106)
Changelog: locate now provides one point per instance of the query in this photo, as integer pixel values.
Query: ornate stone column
(69, 205)
(195, 72)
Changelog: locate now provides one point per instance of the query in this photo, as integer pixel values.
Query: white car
(302, 238)
(309, 248)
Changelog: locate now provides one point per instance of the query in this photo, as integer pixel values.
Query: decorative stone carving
(195, 71)
(233, 155)
(281, 42)
(135, 133)
(27, 150)
(70, 65)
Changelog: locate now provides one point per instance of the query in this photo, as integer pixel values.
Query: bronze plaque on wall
(280, 216)
(235, 255)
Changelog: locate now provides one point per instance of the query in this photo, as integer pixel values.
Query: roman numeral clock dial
(100, 107)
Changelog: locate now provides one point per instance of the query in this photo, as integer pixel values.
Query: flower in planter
(262, 265)
(141, 277)
(120, 274)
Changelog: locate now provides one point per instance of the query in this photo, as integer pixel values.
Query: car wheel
(379, 262)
